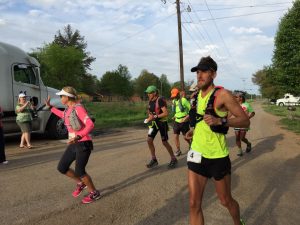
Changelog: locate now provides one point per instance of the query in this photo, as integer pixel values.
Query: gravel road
(266, 182)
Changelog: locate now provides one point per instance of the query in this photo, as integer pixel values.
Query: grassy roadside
(290, 119)
(117, 114)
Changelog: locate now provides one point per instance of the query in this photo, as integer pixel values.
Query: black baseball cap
(206, 63)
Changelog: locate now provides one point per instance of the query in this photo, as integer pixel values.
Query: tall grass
(117, 114)
(290, 119)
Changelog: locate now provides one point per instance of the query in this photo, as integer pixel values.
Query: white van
(20, 72)
(288, 99)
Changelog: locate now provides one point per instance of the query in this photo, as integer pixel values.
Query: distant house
(135, 98)
(85, 97)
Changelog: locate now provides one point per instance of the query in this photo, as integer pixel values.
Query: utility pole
(180, 45)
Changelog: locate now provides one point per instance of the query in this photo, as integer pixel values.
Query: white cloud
(207, 50)
(112, 31)
(245, 30)
(35, 13)
(2, 22)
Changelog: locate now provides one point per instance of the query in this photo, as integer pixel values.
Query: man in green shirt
(209, 154)
(180, 108)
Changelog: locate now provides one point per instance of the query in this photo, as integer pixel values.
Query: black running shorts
(181, 127)
(78, 152)
(162, 127)
(216, 168)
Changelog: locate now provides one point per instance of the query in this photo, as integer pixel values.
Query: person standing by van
(80, 144)
(24, 120)
(180, 108)
(2, 144)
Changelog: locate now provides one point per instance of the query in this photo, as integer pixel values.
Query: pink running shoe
(79, 188)
(91, 197)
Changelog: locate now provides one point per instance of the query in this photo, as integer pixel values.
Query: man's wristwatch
(224, 121)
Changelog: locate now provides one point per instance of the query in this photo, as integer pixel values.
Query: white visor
(22, 95)
(63, 92)
(193, 87)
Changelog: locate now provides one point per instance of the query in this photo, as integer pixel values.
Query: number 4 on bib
(194, 156)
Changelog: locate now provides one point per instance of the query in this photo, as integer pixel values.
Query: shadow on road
(44, 156)
(266, 202)
(141, 176)
(180, 201)
(258, 149)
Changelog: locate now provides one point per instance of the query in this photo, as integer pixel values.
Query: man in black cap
(209, 155)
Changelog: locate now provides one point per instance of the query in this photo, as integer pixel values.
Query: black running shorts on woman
(78, 152)
(216, 168)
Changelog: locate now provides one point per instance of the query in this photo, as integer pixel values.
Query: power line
(224, 67)
(139, 32)
(249, 14)
(229, 66)
(246, 6)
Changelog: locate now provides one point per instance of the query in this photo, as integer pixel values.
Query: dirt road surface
(266, 182)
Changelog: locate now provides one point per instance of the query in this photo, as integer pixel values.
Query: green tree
(65, 61)
(177, 85)
(143, 81)
(89, 84)
(286, 58)
(73, 39)
(164, 86)
(266, 80)
(117, 82)
(60, 66)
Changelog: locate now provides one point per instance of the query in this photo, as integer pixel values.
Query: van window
(25, 74)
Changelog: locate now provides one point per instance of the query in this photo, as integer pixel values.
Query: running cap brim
(63, 92)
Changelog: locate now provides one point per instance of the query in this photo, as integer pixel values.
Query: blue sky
(143, 34)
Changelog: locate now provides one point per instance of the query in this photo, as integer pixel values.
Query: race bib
(71, 135)
(194, 156)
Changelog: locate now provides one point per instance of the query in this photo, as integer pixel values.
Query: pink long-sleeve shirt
(88, 124)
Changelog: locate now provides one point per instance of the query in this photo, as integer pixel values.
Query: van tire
(56, 128)
(281, 104)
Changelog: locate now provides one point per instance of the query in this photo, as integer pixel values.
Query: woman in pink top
(80, 143)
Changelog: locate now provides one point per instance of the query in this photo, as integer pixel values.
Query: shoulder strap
(76, 105)
(181, 106)
(74, 108)
(210, 108)
(157, 108)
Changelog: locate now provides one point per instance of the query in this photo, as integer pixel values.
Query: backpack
(75, 122)
(181, 107)
(210, 110)
(157, 107)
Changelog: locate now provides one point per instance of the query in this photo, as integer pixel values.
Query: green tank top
(178, 113)
(210, 144)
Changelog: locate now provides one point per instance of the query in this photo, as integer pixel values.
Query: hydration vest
(181, 107)
(74, 121)
(157, 109)
(210, 110)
